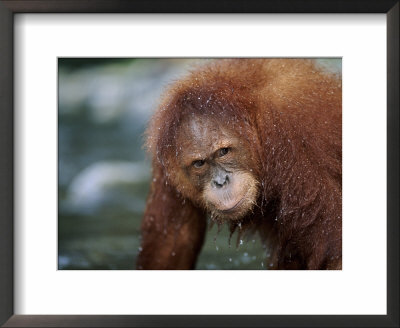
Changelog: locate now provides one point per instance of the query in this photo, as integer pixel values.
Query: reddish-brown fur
(288, 114)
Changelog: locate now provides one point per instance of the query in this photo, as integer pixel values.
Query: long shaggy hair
(288, 112)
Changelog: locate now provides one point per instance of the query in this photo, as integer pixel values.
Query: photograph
(199, 163)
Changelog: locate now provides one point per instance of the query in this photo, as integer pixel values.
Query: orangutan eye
(199, 163)
(223, 151)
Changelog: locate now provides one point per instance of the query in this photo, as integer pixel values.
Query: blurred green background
(103, 171)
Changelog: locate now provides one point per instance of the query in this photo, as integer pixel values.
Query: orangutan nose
(220, 180)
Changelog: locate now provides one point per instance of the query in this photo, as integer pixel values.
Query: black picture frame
(10, 7)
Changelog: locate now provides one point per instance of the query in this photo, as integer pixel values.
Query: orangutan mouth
(229, 210)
